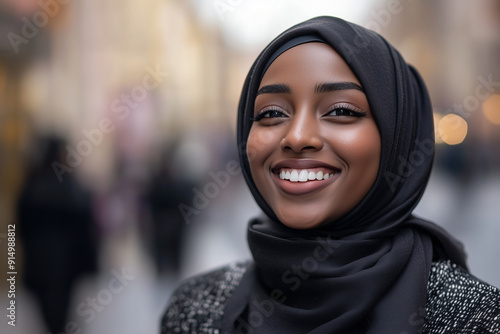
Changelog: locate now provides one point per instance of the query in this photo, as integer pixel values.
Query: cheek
(259, 147)
(261, 143)
(253, 143)
(360, 149)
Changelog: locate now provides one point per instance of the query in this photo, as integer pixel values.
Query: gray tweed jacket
(457, 302)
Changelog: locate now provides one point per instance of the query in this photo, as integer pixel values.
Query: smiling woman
(328, 112)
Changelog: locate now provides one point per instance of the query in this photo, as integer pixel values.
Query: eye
(346, 111)
(269, 113)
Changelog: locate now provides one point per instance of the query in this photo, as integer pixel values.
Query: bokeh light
(437, 136)
(491, 108)
(452, 129)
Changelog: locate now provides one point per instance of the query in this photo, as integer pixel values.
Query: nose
(303, 133)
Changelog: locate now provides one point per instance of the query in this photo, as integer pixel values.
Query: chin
(299, 222)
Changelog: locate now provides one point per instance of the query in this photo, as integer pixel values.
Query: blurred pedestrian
(57, 232)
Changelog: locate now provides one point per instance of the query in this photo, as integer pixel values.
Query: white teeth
(303, 175)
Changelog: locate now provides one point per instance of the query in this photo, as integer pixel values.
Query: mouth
(305, 175)
(299, 176)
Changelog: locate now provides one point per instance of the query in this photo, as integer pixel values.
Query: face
(314, 147)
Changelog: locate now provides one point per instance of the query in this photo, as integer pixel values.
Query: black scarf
(366, 272)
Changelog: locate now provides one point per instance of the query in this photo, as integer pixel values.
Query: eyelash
(344, 107)
(265, 114)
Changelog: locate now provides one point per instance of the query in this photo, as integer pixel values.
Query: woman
(336, 143)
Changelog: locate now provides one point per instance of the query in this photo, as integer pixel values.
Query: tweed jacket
(457, 302)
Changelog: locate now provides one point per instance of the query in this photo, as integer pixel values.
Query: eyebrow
(275, 89)
(320, 88)
(333, 86)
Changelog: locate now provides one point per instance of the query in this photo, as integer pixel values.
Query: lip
(303, 164)
(302, 188)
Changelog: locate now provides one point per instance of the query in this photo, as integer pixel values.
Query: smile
(301, 176)
(304, 175)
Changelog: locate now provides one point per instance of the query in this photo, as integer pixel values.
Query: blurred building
(147, 72)
(86, 57)
(456, 47)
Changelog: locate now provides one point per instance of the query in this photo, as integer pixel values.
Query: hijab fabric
(367, 271)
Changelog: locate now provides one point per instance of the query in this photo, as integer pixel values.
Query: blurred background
(117, 142)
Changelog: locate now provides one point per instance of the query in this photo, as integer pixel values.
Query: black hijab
(368, 270)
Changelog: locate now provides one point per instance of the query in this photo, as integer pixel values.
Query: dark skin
(314, 147)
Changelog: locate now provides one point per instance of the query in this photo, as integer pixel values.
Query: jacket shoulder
(199, 301)
(458, 302)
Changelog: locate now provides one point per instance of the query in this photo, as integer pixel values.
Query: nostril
(301, 144)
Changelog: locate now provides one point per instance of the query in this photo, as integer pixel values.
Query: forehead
(309, 63)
